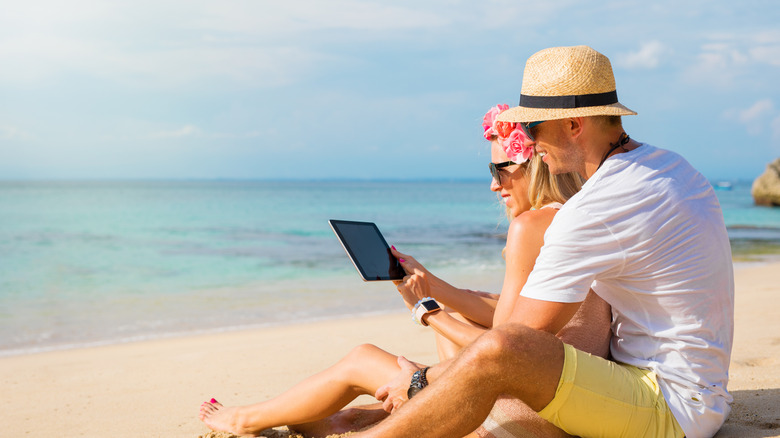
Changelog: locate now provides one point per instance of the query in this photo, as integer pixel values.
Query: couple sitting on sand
(633, 274)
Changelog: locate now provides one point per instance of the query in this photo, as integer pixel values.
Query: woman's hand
(415, 285)
(409, 263)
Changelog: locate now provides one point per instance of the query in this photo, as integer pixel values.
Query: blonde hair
(544, 187)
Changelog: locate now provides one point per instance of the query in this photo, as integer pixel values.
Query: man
(646, 233)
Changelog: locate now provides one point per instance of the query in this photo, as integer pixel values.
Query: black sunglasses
(526, 127)
(495, 169)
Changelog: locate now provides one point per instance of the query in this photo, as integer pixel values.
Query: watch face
(430, 305)
(412, 391)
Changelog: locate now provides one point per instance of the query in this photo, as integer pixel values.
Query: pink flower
(515, 148)
(488, 122)
(504, 128)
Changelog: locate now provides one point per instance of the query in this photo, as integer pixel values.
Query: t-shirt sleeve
(578, 249)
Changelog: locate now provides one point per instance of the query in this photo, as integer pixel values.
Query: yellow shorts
(601, 398)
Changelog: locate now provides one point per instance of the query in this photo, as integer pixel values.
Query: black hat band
(573, 101)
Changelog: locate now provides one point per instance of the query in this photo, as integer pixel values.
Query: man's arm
(548, 316)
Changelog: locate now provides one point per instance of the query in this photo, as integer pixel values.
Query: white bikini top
(555, 205)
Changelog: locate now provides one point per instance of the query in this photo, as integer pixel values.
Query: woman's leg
(362, 371)
(446, 348)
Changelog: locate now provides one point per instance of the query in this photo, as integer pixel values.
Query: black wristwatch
(418, 382)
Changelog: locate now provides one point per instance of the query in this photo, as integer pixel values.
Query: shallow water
(99, 262)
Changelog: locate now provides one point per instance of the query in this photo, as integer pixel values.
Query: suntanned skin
(521, 358)
(309, 405)
(347, 379)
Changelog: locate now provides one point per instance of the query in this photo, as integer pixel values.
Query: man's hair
(609, 121)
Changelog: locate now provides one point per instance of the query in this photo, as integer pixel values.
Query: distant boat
(723, 185)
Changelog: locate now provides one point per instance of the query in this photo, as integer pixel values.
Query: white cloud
(775, 126)
(729, 59)
(184, 131)
(755, 118)
(194, 131)
(164, 44)
(285, 18)
(647, 57)
(769, 54)
(12, 133)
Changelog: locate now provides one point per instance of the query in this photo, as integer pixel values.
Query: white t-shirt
(646, 232)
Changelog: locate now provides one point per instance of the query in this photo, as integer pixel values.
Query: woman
(523, 183)
(532, 197)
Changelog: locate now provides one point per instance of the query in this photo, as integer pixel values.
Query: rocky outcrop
(766, 188)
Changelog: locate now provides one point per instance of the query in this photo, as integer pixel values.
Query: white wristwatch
(423, 307)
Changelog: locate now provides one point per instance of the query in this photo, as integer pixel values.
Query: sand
(154, 388)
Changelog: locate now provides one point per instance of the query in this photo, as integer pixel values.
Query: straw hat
(563, 82)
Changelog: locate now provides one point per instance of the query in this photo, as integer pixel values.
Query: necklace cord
(622, 141)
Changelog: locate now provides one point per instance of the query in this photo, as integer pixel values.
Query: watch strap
(419, 381)
(423, 307)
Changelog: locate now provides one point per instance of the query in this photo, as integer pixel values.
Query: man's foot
(218, 417)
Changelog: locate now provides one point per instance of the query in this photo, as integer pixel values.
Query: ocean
(91, 263)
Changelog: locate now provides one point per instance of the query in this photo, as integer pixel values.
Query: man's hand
(393, 394)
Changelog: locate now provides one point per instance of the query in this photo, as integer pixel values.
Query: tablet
(368, 250)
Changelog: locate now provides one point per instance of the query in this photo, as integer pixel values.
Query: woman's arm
(475, 306)
(416, 286)
(523, 243)
(458, 332)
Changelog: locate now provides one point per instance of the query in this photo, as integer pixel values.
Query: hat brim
(526, 115)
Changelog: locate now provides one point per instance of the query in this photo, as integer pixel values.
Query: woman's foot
(218, 417)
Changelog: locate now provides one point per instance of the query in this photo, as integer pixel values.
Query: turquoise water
(94, 262)
(86, 263)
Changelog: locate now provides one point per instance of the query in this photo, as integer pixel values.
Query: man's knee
(509, 343)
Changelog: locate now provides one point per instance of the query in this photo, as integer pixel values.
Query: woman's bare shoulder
(532, 221)
(526, 232)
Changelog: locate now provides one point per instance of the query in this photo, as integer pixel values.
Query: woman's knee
(362, 353)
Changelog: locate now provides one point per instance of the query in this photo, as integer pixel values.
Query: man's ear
(574, 125)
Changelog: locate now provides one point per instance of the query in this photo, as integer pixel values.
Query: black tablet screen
(368, 250)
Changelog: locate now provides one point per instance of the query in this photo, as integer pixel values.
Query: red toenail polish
(213, 400)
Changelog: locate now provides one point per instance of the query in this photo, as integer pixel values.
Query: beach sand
(154, 388)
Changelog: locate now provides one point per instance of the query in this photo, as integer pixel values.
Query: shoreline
(190, 333)
(392, 305)
(118, 388)
(366, 299)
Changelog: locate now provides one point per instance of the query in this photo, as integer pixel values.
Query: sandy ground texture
(154, 388)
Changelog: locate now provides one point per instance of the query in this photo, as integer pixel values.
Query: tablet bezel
(359, 266)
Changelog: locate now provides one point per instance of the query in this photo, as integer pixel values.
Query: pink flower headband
(510, 136)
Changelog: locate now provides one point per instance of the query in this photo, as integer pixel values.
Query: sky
(342, 89)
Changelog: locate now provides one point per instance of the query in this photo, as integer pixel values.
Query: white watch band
(424, 307)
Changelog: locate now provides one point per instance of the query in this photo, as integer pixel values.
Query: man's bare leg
(346, 420)
(590, 331)
(510, 359)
